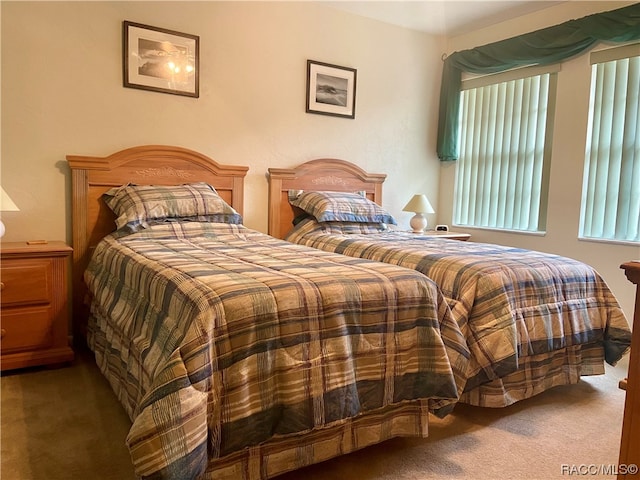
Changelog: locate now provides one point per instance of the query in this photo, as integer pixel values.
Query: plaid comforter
(217, 338)
(515, 307)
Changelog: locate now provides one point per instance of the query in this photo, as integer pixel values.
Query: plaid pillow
(353, 228)
(342, 207)
(138, 206)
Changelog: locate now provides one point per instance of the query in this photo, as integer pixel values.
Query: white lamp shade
(6, 204)
(419, 204)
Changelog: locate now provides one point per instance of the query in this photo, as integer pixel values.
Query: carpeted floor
(65, 424)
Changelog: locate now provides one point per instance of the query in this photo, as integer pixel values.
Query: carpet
(66, 424)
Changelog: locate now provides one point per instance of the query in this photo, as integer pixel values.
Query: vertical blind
(611, 185)
(502, 174)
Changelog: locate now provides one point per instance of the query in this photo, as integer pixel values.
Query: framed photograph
(331, 89)
(160, 60)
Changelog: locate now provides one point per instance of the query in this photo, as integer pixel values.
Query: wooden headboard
(322, 174)
(143, 165)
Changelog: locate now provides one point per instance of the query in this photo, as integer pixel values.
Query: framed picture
(331, 89)
(160, 60)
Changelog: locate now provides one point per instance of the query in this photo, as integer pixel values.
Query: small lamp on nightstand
(6, 205)
(419, 205)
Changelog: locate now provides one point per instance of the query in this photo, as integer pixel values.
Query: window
(611, 182)
(502, 175)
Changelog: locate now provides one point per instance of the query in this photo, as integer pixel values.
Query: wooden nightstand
(33, 304)
(452, 235)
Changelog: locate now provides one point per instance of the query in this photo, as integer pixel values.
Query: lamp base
(418, 223)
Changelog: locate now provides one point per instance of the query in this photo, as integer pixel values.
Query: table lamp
(6, 205)
(419, 205)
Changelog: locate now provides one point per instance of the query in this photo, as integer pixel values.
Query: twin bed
(532, 320)
(240, 355)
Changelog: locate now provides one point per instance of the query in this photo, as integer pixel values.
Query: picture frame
(331, 89)
(161, 60)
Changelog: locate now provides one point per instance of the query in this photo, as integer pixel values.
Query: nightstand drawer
(26, 282)
(26, 329)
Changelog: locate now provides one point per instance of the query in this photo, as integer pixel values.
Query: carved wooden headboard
(144, 165)
(321, 174)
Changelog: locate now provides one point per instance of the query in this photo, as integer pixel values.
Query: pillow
(138, 206)
(341, 207)
(353, 228)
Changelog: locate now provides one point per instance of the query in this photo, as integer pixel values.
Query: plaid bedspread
(513, 305)
(217, 338)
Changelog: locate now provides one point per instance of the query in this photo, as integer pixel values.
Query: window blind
(505, 134)
(611, 185)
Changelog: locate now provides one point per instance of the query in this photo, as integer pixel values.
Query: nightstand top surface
(443, 234)
(18, 248)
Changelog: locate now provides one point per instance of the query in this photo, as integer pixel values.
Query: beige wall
(62, 94)
(567, 160)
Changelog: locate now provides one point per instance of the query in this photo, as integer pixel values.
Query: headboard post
(320, 174)
(80, 249)
(275, 201)
(147, 164)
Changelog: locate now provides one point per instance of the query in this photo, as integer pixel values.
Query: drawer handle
(2, 332)
(1, 285)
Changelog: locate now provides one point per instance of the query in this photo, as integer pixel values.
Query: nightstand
(34, 305)
(463, 237)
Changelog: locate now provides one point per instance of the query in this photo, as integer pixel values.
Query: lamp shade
(6, 204)
(419, 204)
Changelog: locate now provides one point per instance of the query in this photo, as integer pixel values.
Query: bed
(238, 355)
(532, 320)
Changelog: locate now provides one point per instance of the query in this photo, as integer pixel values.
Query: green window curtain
(542, 47)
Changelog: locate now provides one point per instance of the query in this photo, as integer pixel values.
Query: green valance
(542, 47)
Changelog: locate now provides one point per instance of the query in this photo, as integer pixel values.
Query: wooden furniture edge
(630, 438)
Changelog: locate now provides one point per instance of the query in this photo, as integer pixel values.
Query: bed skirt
(285, 454)
(538, 373)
